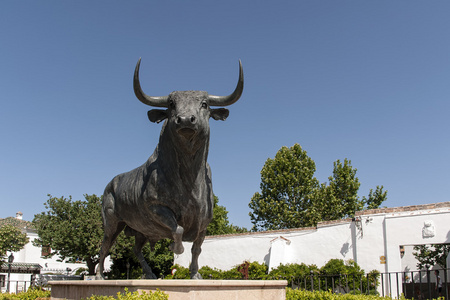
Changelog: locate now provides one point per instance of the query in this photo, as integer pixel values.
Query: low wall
(176, 289)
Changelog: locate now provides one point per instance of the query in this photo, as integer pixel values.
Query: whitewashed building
(29, 262)
(378, 239)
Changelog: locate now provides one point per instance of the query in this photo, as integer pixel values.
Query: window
(2, 280)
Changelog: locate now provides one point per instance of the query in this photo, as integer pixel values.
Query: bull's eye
(171, 104)
(204, 105)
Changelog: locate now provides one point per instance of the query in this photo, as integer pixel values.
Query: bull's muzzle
(186, 126)
(186, 120)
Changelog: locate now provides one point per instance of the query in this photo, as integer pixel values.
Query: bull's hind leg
(112, 230)
(196, 250)
(140, 241)
(112, 227)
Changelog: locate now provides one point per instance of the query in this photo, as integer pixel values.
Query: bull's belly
(155, 227)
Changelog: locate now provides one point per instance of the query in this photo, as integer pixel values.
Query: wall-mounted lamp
(10, 261)
(358, 224)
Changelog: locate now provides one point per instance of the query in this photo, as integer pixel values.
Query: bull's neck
(185, 161)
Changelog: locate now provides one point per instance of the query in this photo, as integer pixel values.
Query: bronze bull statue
(170, 195)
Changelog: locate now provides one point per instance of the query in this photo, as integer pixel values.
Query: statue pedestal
(176, 289)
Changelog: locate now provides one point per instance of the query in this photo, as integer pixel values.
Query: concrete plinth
(176, 289)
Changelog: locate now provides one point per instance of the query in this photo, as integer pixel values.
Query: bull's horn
(230, 99)
(152, 101)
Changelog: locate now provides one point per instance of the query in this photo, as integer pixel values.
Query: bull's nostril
(178, 120)
(192, 119)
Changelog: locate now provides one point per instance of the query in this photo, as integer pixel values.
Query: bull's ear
(220, 114)
(157, 115)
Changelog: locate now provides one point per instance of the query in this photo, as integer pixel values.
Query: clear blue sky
(363, 80)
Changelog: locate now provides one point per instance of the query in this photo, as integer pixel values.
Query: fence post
(420, 282)
(368, 284)
(360, 283)
(398, 289)
(445, 285)
(312, 280)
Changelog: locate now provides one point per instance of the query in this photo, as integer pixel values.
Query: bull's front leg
(196, 250)
(177, 245)
(167, 218)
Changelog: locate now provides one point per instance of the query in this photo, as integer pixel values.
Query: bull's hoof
(196, 276)
(176, 248)
(99, 277)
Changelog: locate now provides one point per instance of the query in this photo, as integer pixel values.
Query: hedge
(157, 295)
(322, 295)
(31, 294)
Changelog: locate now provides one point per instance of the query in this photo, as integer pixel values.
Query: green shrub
(233, 273)
(348, 276)
(323, 295)
(31, 294)
(295, 272)
(181, 273)
(345, 276)
(210, 273)
(257, 270)
(157, 295)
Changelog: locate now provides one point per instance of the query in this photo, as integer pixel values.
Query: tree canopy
(291, 196)
(72, 229)
(287, 189)
(12, 239)
(431, 255)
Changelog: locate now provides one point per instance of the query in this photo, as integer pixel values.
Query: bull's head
(188, 112)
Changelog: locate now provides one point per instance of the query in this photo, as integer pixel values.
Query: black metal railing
(412, 284)
(415, 284)
(336, 283)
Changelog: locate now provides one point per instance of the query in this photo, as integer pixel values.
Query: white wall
(375, 234)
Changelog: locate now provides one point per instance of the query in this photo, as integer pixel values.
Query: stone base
(176, 289)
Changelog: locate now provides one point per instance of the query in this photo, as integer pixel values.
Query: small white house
(30, 261)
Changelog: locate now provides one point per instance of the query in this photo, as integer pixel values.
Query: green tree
(339, 199)
(375, 199)
(345, 185)
(220, 223)
(72, 229)
(12, 239)
(292, 197)
(287, 189)
(431, 255)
